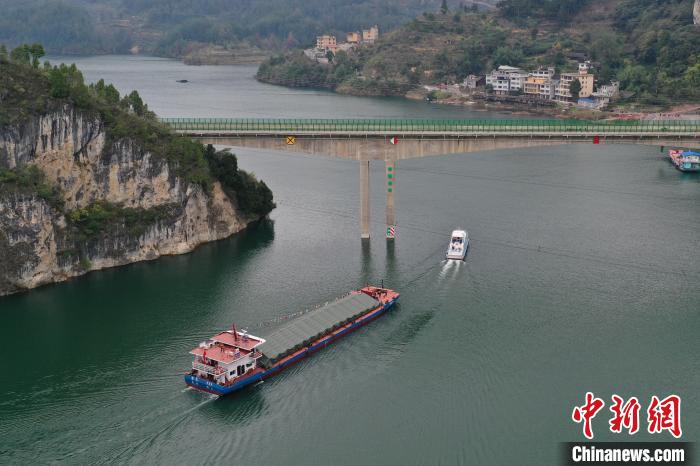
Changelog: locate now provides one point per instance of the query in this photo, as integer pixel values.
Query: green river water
(583, 275)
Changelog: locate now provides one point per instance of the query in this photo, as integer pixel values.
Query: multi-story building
(541, 83)
(353, 38)
(535, 85)
(500, 84)
(608, 90)
(506, 79)
(563, 92)
(472, 82)
(549, 88)
(517, 80)
(369, 36)
(543, 72)
(326, 42)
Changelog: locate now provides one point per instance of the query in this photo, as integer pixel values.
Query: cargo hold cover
(313, 325)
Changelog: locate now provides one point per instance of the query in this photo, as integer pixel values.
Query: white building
(517, 80)
(506, 79)
(499, 82)
(543, 72)
(608, 90)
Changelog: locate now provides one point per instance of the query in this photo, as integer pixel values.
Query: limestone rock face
(696, 12)
(36, 242)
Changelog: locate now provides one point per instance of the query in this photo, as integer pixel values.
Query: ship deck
(315, 324)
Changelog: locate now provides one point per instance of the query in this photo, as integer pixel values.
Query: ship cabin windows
(240, 370)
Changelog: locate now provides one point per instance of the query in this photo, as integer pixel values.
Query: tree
(575, 89)
(692, 76)
(136, 103)
(21, 55)
(28, 54)
(60, 89)
(3, 54)
(330, 56)
(444, 8)
(111, 94)
(223, 165)
(509, 56)
(36, 51)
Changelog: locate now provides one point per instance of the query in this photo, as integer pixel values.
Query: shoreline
(684, 111)
(681, 111)
(516, 109)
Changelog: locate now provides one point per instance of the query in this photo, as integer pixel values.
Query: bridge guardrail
(292, 126)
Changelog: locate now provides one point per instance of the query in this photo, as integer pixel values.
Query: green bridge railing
(293, 126)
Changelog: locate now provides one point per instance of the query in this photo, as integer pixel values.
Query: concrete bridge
(392, 140)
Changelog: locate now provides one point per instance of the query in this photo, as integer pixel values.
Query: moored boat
(685, 160)
(459, 243)
(232, 360)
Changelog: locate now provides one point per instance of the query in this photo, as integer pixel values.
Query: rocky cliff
(696, 12)
(42, 242)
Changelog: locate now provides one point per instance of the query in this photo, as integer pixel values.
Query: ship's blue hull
(216, 389)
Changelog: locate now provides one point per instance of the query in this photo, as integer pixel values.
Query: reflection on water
(391, 265)
(366, 270)
(409, 329)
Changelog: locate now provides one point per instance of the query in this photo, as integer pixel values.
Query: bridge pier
(364, 199)
(390, 168)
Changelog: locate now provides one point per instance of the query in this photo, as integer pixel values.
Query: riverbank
(685, 111)
(534, 110)
(209, 54)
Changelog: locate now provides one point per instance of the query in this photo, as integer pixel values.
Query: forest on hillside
(167, 27)
(651, 46)
(29, 89)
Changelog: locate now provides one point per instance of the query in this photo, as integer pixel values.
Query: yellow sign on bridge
(291, 140)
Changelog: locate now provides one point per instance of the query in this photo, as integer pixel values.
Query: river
(582, 275)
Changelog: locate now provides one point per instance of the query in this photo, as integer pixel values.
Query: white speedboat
(458, 245)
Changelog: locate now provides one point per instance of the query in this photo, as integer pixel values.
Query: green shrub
(100, 217)
(30, 179)
(254, 198)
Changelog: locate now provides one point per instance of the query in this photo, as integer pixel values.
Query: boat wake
(144, 441)
(450, 270)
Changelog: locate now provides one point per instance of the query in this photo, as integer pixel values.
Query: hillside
(90, 179)
(179, 28)
(649, 45)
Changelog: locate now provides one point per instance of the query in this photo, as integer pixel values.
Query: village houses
(329, 43)
(544, 84)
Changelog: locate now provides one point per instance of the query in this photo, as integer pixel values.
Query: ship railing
(255, 354)
(214, 370)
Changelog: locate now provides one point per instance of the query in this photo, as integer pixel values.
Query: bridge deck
(441, 127)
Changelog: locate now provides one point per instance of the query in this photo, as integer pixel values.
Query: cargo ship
(685, 160)
(233, 359)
